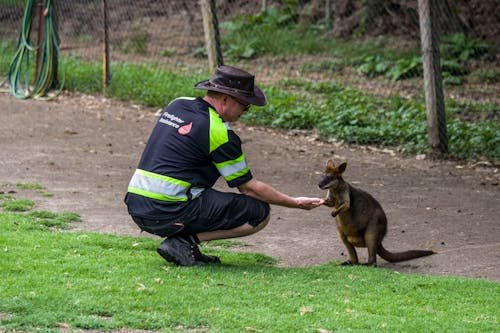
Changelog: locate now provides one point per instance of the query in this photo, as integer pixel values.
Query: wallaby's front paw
(328, 202)
(335, 213)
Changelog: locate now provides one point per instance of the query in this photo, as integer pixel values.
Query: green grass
(17, 205)
(52, 280)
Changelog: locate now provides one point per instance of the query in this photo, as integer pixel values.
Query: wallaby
(361, 221)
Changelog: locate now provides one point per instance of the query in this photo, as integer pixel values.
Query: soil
(84, 149)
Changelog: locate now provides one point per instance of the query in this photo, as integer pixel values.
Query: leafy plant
(406, 68)
(270, 32)
(463, 47)
(373, 66)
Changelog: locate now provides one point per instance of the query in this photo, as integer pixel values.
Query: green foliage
(463, 48)
(149, 84)
(136, 43)
(7, 51)
(169, 52)
(353, 116)
(300, 113)
(456, 51)
(406, 68)
(373, 66)
(101, 282)
(270, 32)
(85, 77)
(487, 75)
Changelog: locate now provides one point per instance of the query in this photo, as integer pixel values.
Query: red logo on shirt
(184, 130)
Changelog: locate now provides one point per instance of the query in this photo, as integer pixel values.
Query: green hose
(19, 68)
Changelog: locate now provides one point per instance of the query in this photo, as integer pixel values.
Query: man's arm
(264, 192)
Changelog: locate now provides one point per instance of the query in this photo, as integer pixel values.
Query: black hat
(234, 82)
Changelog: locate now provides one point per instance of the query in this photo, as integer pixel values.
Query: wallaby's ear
(330, 165)
(342, 167)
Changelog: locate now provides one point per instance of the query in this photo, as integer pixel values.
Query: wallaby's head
(333, 175)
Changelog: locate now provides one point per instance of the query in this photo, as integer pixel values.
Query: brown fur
(361, 221)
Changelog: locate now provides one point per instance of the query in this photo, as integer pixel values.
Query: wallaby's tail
(402, 256)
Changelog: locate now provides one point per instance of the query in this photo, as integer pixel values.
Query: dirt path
(84, 150)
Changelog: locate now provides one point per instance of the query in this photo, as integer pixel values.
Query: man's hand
(262, 191)
(309, 203)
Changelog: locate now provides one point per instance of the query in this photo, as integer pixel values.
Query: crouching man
(171, 192)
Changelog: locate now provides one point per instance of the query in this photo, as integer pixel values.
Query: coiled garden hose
(21, 67)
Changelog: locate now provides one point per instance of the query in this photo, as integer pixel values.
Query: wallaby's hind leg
(353, 256)
(371, 240)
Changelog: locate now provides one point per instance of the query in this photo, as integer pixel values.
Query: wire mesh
(166, 31)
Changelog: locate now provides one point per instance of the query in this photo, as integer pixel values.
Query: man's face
(233, 108)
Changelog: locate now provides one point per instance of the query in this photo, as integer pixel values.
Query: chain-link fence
(171, 33)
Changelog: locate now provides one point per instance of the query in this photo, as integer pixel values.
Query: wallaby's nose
(323, 183)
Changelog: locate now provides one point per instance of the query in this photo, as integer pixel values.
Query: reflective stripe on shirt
(218, 130)
(160, 187)
(233, 169)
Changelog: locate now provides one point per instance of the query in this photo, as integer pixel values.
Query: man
(191, 146)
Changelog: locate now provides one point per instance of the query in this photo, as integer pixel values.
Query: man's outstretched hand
(309, 203)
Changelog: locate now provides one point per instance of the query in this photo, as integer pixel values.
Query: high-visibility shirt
(189, 148)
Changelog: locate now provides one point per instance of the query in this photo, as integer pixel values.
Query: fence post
(211, 29)
(105, 47)
(433, 83)
(328, 14)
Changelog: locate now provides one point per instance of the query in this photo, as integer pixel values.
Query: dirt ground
(84, 149)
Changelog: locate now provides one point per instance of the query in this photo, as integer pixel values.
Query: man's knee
(262, 224)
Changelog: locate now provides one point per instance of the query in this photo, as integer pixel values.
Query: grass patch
(14, 205)
(54, 220)
(102, 282)
(33, 186)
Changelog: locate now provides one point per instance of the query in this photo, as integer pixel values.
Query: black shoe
(179, 251)
(198, 256)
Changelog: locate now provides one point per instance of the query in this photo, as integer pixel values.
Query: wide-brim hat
(234, 82)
